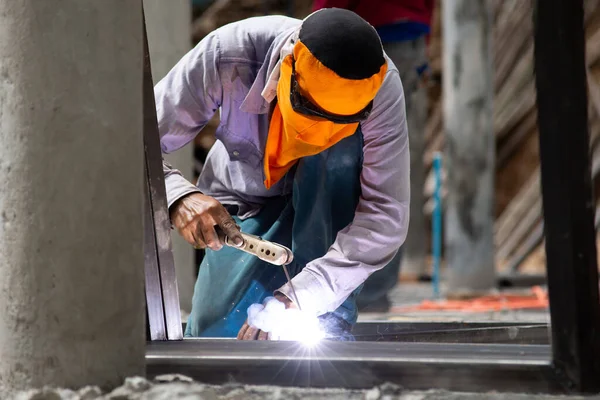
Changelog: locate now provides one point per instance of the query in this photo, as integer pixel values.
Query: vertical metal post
(436, 220)
(567, 192)
(155, 311)
(160, 266)
(168, 29)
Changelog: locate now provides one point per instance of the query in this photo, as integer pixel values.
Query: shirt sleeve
(186, 99)
(381, 220)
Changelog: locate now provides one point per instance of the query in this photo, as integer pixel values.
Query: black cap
(343, 42)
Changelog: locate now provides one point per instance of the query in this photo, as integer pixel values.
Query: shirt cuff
(312, 295)
(177, 187)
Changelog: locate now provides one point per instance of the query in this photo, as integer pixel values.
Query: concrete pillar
(71, 260)
(415, 248)
(168, 24)
(470, 145)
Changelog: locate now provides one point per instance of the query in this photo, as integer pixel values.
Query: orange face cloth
(293, 135)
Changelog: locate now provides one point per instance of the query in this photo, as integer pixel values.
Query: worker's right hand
(195, 217)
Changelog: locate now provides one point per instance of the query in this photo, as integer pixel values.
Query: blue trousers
(326, 189)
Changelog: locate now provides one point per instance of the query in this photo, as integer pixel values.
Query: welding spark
(312, 337)
(285, 324)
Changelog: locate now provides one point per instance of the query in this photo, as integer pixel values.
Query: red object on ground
(383, 12)
(538, 299)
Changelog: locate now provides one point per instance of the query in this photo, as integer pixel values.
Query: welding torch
(265, 250)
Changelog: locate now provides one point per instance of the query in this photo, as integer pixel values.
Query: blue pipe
(436, 222)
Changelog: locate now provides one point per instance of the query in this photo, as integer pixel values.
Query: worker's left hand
(249, 333)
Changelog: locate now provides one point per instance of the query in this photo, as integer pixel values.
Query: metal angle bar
(158, 205)
(510, 334)
(567, 191)
(156, 327)
(464, 367)
(154, 305)
(452, 332)
(420, 326)
(371, 326)
(200, 349)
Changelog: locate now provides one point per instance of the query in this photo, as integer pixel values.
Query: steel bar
(509, 333)
(452, 332)
(463, 367)
(567, 192)
(156, 328)
(422, 326)
(159, 213)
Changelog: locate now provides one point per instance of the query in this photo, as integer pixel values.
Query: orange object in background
(536, 300)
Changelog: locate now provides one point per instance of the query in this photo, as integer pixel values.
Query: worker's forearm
(176, 185)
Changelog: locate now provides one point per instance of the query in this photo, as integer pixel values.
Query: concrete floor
(173, 387)
(407, 294)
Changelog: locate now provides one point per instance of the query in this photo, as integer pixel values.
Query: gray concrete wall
(168, 24)
(71, 260)
(470, 145)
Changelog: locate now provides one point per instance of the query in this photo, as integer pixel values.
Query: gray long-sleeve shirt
(227, 71)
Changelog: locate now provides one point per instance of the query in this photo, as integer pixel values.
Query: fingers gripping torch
(270, 252)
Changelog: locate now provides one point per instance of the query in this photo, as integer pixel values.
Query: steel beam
(452, 332)
(459, 332)
(567, 194)
(462, 367)
(156, 328)
(162, 297)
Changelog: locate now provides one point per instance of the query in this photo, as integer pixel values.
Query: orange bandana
(293, 135)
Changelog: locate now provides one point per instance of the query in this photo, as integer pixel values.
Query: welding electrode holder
(270, 252)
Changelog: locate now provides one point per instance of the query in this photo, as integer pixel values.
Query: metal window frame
(571, 363)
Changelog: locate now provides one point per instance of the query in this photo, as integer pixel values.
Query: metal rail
(567, 192)
(470, 367)
(162, 295)
(421, 332)
(452, 332)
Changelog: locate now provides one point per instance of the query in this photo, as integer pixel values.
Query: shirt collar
(264, 87)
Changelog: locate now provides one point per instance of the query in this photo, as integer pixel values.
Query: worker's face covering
(316, 108)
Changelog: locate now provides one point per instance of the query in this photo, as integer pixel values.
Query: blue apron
(326, 190)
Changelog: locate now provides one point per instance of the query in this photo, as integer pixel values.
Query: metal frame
(530, 333)
(162, 296)
(453, 332)
(463, 367)
(567, 195)
(570, 364)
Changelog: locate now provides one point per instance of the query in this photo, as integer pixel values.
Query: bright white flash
(285, 324)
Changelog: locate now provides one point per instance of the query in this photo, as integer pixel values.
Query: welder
(311, 153)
